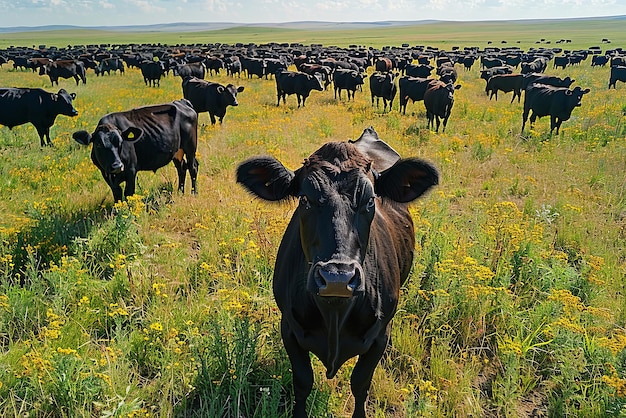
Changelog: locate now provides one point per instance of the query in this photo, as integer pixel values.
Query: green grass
(162, 306)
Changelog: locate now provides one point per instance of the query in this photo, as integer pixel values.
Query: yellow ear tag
(131, 135)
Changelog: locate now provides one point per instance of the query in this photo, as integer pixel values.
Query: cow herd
(349, 245)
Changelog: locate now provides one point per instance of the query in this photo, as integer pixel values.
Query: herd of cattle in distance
(349, 245)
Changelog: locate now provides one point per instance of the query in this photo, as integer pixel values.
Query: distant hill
(207, 26)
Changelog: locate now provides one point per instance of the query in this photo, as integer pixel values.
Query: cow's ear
(220, 89)
(585, 91)
(266, 178)
(458, 86)
(73, 95)
(240, 89)
(406, 180)
(82, 137)
(132, 134)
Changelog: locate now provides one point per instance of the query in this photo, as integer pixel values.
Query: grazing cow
(418, 70)
(538, 78)
(412, 88)
(438, 100)
(64, 69)
(233, 66)
(152, 71)
(349, 80)
(538, 65)
(383, 65)
(22, 105)
(144, 139)
(213, 64)
(562, 62)
(344, 256)
(505, 83)
(618, 73)
(383, 85)
(599, 60)
(544, 100)
(194, 69)
(295, 82)
(210, 97)
(110, 64)
(468, 62)
(254, 66)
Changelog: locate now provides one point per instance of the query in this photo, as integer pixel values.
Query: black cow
(194, 69)
(210, 97)
(213, 64)
(412, 88)
(418, 70)
(488, 73)
(538, 65)
(544, 100)
(152, 71)
(295, 82)
(254, 66)
(348, 80)
(438, 100)
(599, 60)
(505, 83)
(233, 66)
(22, 105)
(562, 62)
(110, 64)
(144, 139)
(618, 73)
(383, 85)
(344, 256)
(64, 69)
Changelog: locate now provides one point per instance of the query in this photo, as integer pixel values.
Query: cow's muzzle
(336, 279)
(117, 167)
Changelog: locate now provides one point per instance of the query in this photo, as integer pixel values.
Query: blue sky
(142, 12)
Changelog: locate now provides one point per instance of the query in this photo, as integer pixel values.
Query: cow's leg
(114, 185)
(181, 169)
(301, 369)
(212, 116)
(77, 79)
(524, 117)
(44, 133)
(131, 178)
(361, 378)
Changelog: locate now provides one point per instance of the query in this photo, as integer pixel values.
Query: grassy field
(161, 306)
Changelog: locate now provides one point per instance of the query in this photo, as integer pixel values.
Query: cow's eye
(304, 202)
(370, 204)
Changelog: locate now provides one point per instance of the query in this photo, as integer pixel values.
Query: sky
(145, 12)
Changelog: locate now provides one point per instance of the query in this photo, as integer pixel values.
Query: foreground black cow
(438, 100)
(349, 80)
(295, 82)
(22, 105)
(346, 251)
(64, 69)
(210, 97)
(144, 139)
(618, 73)
(383, 85)
(544, 100)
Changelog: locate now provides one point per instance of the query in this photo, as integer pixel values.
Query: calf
(295, 82)
(348, 80)
(210, 97)
(383, 85)
(438, 100)
(22, 105)
(144, 139)
(344, 256)
(544, 100)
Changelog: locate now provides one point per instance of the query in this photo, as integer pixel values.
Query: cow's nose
(117, 167)
(337, 282)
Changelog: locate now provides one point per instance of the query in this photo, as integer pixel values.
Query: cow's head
(339, 188)
(108, 143)
(229, 94)
(576, 95)
(315, 82)
(63, 101)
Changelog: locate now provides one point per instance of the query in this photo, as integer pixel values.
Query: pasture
(161, 306)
